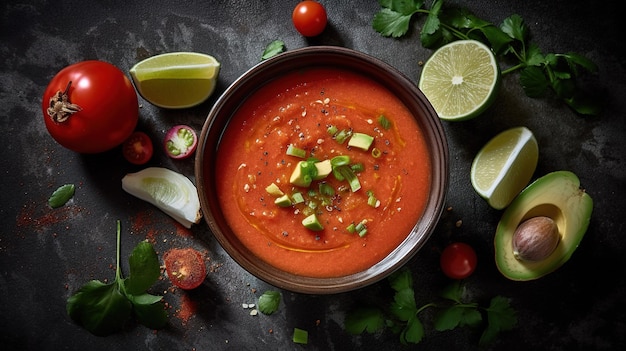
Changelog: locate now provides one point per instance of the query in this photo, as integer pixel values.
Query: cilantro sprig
(539, 73)
(104, 309)
(403, 314)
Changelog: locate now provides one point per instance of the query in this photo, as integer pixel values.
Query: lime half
(460, 79)
(504, 166)
(177, 79)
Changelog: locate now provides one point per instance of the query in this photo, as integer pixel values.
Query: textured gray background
(45, 255)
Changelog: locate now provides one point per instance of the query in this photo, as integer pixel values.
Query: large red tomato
(90, 107)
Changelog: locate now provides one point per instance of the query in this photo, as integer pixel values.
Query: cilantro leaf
(403, 306)
(269, 302)
(364, 319)
(272, 49)
(401, 279)
(395, 17)
(515, 27)
(413, 332)
(61, 195)
(453, 291)
(500, 317)
(533, 81)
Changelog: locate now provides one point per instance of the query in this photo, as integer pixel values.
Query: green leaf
(453, 291)
(449, 318)
(500, 317)
(515, 27)
(533, 81)
(401, 279)
(100, 308)
(390, 23)
(61, 196)
(403, 306)
(584, 104)
(272, 49)
(431, 24)
(574, 59)
(269, 302)
(144, 268)
(149, 310)
(534, 57)
(496, 37)
(405, 7)
(413, 332)
(364, 319)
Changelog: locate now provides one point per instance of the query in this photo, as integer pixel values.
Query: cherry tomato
(180, 141)
(458, 260)
(90, 107)
(138, 149)
(185, 267)
(309, 18)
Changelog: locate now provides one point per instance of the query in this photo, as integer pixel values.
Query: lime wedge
(177, 79)
(504, 166)
(460, 80)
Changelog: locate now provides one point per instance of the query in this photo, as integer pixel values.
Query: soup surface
(307, 118)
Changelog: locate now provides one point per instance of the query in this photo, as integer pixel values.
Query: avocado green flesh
(556, 195)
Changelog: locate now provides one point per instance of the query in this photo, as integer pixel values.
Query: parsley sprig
(403, 315)
(539, 73)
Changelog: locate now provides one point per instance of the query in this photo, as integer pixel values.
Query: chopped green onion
(297, 198)
(372, 200)
(362, 232)
(300, 336)
(332, 130)
(357, 167)
(351, 228)
(340, 161)
(296, 151)
(326, 190)
(376, 153)
(345, 172)
(343, 135)
(384, 122)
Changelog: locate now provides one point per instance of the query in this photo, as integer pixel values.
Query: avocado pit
(535, 239)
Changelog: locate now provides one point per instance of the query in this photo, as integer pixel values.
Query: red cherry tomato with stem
(458, 260)
(309, 18)
(185, 267)
(90, 107)
(138, 149)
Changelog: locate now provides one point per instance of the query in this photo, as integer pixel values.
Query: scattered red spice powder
(36, 217)
(187, 308)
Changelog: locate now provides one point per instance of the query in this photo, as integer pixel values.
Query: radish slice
(180, 142)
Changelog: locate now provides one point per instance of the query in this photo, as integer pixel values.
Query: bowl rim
(247, 84)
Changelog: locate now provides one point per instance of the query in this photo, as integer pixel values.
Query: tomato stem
(60, 108)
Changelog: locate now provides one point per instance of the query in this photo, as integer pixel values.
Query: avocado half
(556, 195)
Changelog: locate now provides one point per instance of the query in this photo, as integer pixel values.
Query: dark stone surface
(45, 254)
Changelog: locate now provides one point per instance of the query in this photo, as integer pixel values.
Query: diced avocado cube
(361, 141)
(299, 177)
(324, 168)
(312, 223)
(273, 190)
(283, 201)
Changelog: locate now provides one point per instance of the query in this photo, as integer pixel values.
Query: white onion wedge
(171, 192)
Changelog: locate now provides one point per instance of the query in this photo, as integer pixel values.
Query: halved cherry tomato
(90, 107)
(185, 267)
(180, 141)
(309, 18)
(458, 260)
(138, 149)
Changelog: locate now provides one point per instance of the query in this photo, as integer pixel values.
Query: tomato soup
(315, 112)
